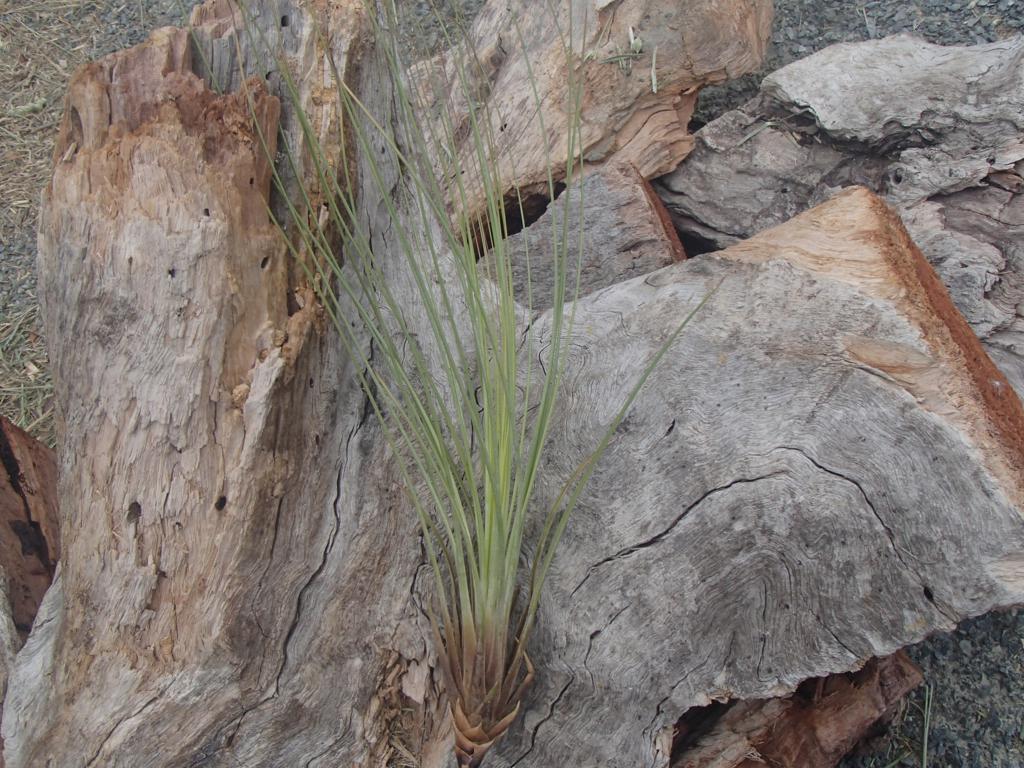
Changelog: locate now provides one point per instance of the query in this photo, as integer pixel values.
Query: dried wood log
(814, 728)
(749, 536)
(826, 468)
(624, 228)
(943, 141)
(638, 100)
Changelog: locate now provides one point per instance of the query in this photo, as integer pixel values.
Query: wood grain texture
(611, 226)
(824, 469)
(943, 141)
(690, 45)
(221, 490)
(739, 538)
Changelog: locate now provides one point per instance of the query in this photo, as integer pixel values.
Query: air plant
(454, 376)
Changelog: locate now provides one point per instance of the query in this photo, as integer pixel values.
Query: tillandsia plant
(455, 376)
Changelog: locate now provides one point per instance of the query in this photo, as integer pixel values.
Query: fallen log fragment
(641, 63)
(612, 227)
(29, 538)
(771, 509)
(942, 142)
(815, 727)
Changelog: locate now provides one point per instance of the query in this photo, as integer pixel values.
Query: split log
(942, 141)
(814, 728)
(825, 469)
(743, 537)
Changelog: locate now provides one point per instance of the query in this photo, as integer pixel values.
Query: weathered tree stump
(825, 469)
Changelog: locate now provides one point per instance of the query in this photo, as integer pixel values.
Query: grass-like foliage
(464, 393)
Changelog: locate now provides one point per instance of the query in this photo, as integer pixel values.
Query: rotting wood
(29, 532)
(813, 728)
(222, 488)
(29, 538)
(825, 469)
(690, 45)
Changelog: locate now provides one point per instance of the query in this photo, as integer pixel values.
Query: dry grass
(39, 49)
(25, 387)
(38, 52)
(42, 42)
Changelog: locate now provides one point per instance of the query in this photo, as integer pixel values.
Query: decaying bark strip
(825, 469)
(29, 537)
(814, 728)
(29, 532)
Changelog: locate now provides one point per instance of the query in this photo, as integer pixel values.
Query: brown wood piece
(627, 233)
(805, 730)
(623, 119)
(29, 527)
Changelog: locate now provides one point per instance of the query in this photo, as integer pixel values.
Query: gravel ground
(975, 676)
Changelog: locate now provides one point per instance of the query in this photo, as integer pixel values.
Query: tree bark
(29, 537)
(29, 533)
(826, 467)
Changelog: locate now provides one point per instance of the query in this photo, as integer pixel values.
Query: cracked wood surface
(739, 539)
(227, 499)
(825, 469)
(943, 142)
(209, 488)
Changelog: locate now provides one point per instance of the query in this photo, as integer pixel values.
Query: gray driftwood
(625, 232)
(939, 132)
(826, 468)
